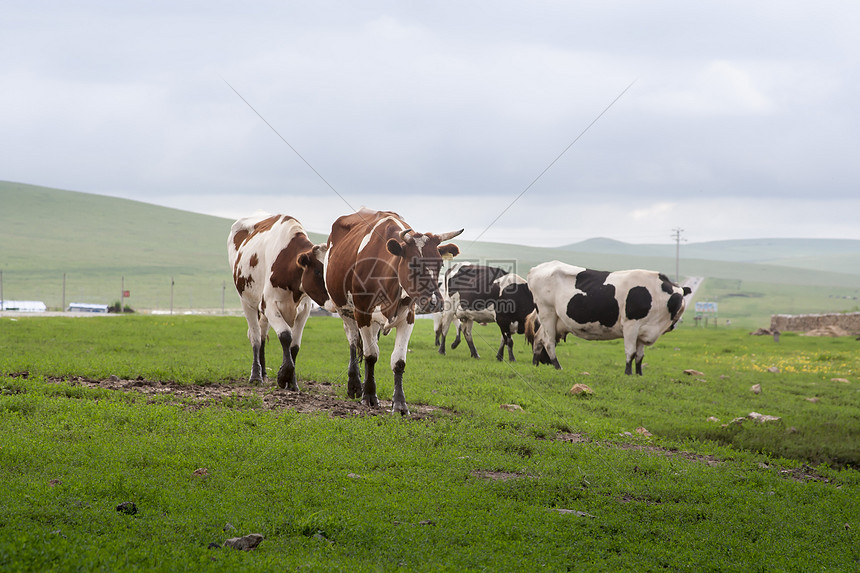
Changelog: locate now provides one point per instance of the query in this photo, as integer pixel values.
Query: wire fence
(87, 292)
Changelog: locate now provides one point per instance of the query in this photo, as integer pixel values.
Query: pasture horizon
(104, 245)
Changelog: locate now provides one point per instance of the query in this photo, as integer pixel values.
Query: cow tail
(532, 324)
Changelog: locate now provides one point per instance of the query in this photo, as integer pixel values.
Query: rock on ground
(246, 543)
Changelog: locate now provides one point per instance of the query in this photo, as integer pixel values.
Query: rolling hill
(836, 255)
(169, 258)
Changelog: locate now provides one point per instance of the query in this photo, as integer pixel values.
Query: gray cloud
(449, 110)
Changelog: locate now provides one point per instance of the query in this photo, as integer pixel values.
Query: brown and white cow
(378, 273)
(637, 305)
(277, 272)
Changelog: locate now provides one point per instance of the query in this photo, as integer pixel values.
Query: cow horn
(405, 232)
(450, 235)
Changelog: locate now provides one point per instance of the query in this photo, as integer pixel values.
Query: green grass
(380, 493)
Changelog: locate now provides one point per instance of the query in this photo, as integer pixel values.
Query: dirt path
(313, 397)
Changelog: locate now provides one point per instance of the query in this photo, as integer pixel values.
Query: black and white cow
(636, 305)
(469, 300)
(479, 293)
(514, 302)
(445, 319)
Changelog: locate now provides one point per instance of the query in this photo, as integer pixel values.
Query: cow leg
(369, 339)
(456, 342)
(304, 312)
(500, 355)
(291, 340)
(634, 350)
(544, 348)
(288, 322)
(467, 334)
(398, 365)
(353, 383)
(442, 330)
(258, 352)
(287, 371)
(368, 393)
(640, 355)
(507, 340)
(445, 323)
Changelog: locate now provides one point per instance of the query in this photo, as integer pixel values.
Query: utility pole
(63, 307)
(223, 294)
(676, 234)
(171, 295)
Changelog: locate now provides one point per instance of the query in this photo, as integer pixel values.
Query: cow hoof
(475, 356)
(353, 388)
(371, 401)
(401, 408)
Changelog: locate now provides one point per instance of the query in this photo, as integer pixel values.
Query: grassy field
(565, 483)
(170, 258)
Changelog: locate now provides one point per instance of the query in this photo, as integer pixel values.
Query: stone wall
(848, 321)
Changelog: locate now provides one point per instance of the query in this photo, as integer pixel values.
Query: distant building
(23, 305)
(87, 307)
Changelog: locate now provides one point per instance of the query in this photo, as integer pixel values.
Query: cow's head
(313, 280)
(419, 260)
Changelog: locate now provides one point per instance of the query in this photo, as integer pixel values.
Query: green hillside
(97, 240)
(836, 255)
(104, 243)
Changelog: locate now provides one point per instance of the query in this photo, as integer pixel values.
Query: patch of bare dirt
(314, 396)
(578, 438)
(670, 453)
(805, 473)
(572, 437)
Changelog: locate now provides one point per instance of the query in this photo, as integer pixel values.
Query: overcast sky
(742, 120)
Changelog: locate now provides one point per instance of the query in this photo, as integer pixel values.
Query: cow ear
(304, 259)
(449, 251)
(687, 290)
(319, 251)
(395, 247)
